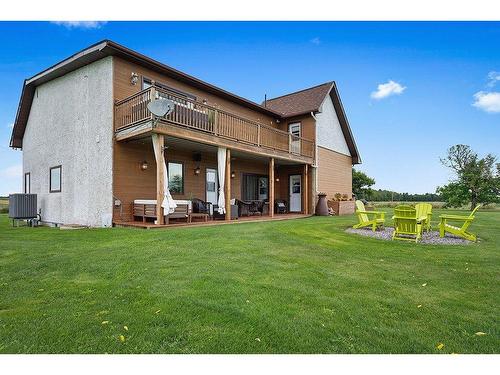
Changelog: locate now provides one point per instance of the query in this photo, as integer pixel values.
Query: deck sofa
(146, 209)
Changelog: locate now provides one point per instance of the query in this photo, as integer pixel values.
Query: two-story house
(91, 148)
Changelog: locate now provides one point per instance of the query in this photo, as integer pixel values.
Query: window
(27, 183)
(176, 177)
(255, 187)
(146, 83)
(294, 129)
(55, 179)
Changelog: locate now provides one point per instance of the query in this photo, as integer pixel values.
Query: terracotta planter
(342, 207)
(321, 206)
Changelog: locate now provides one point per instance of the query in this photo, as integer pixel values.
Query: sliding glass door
(255, 187)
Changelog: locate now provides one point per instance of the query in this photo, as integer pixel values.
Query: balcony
(133, 118)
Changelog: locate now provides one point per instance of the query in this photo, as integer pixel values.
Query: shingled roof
(309, 100)
(300, 102)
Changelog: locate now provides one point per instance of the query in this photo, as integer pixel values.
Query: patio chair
(280, 206)
(407, 226)
(374, 219)
(460, 232)
(201, 207)
(424, 211)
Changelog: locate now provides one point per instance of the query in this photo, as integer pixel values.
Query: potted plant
(342, 204)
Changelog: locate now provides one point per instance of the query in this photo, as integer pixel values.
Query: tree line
(476, 181)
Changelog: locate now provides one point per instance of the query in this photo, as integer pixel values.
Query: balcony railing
(202, 117)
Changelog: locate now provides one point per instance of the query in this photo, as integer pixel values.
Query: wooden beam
(160, 177)
(305, 189)
(209, 139)
(271, 187)
(227, 181)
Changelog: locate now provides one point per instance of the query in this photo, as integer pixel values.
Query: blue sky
(408, 87)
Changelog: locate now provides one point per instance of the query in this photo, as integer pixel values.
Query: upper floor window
(294, 128)
(147, 82)
(55, 178)
(175, 177)
(27, 183)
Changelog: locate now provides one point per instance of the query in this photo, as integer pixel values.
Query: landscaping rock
(431, 238)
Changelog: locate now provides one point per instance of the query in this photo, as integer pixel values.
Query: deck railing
(202, 117)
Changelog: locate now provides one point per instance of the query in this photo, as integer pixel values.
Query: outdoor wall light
(134, 78)
(233, 175)
(144, 165)
(277, 179)
(197, 170)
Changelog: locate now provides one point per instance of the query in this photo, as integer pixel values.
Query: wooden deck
(201, 122)
(245, 219)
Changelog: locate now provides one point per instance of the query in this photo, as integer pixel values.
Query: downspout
(315, 165)
(315, 140)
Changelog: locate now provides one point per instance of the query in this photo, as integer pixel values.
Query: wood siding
(334, 173)
(123, 88)
(307, 127)
(130, 182)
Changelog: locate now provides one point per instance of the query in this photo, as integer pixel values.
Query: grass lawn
(296, 286)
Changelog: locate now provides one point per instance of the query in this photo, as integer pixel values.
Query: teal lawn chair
(407, 226)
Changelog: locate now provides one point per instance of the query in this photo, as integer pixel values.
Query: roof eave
(344, 123)
(96, 52)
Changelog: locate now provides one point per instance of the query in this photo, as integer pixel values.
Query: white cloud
(385, 90)
(487, 101)
(14, 171)
(315, 41)
(81, 24)
(10, 126)
(493, 78)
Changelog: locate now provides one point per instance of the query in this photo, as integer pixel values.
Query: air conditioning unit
(22, 206)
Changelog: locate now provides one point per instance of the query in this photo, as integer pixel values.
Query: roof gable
(310, 100)
(300, 102)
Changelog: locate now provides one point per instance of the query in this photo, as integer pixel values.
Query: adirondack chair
(424, 210)
(407, 226)
(460, 232)
(376, 220)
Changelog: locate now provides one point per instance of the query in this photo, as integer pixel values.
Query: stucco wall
(71, 124)
(328, 131)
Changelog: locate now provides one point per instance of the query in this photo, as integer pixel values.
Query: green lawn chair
(377, 218)
(424, 211)
(462, 231)
(407, 226)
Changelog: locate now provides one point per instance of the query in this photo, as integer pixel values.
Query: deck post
(227, 188)
(160, 177)
(305, 189)
(271, 187)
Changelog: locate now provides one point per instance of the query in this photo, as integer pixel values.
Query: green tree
(361, 184)
(477, 180)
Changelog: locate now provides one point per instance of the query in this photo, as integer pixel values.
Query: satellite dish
(161, 107)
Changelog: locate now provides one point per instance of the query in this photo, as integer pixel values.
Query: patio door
(211, 186)
(294, 130)
(295, 187)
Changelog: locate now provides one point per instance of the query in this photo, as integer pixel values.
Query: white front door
(295, 193)
(211, 186)
(294, 130)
